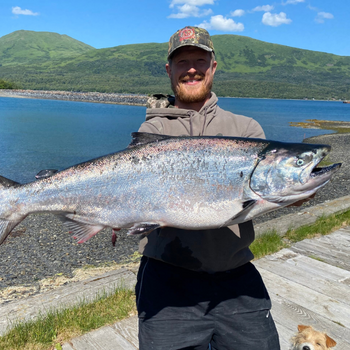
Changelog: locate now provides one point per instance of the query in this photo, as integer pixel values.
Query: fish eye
(303, 159)
(299, 162)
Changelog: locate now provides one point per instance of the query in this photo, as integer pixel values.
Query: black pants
(182, 309)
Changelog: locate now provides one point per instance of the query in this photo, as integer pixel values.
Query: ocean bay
(40, 134)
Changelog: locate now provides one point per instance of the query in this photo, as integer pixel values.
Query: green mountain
(246, 67)
(28, 47)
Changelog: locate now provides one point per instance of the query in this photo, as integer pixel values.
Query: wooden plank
(336, 250)
(327, 256)
(289, 315)
(336, 241)
(310, 265)
(284, 336)
(63, 297)
(345, 230)
(104, 338)
(129, 329)
(324, 305)
(339, 240)
(342, 234)
(312, 279)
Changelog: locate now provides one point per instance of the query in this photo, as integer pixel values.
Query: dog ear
(301, 327)
(330, 342)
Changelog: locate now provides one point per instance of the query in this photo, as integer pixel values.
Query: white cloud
(321, 16)
(237, 13)
(265, 8)
(222, 23)
(190, 8)
(191, 2)
(18, 11)
(293, 2)
(275, 19)
(190, 11)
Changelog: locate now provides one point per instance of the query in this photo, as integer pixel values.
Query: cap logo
(186, 34)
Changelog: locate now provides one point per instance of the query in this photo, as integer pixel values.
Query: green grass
(271, 242)
(267, 243)
(322, 226)
(51, 330)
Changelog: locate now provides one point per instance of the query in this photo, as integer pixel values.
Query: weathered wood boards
(63, 297)
(310, 284)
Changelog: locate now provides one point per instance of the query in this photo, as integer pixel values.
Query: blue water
(42, 134)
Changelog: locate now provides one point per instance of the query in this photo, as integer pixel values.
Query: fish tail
(6, 225)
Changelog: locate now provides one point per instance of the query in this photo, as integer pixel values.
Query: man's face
(191, 72)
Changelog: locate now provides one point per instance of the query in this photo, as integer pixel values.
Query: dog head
(309, 339)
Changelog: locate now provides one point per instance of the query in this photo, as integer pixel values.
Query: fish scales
(185, 182)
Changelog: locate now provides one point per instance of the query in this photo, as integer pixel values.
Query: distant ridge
(246, 67)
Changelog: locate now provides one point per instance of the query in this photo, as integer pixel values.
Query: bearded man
(198, 289)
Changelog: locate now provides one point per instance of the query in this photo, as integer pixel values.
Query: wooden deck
(308, 283)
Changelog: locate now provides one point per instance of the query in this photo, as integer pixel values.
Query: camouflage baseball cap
(190, 36)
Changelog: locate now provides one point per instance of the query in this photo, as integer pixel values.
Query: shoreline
(106, 97)
(92, 97)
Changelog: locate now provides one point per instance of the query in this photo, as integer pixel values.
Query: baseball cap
(190, 36)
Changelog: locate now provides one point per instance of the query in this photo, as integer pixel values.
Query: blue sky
(319, 25)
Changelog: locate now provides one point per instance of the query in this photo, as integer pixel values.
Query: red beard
(192, 94)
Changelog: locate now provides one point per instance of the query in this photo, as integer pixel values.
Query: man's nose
(192, 69)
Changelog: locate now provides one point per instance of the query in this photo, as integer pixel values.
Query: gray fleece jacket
(204, 250)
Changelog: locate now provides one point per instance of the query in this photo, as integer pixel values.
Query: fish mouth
(319, 171)
(320, 176)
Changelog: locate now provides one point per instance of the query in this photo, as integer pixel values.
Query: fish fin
(114, 235)
(245, 207)
(6, 183)
(81, 229)
(6, 227)
(142, 138)
(248, 204)
(43, 174)
(142, 228)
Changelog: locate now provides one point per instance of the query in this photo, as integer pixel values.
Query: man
(197, 288)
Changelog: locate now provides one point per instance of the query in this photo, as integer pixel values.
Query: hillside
(28, 47)
(246, 67)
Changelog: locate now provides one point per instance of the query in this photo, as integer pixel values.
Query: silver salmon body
(184, 182)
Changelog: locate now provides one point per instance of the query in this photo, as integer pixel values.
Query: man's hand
(301, 202)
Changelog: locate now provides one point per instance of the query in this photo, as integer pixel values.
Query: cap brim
(203, 47)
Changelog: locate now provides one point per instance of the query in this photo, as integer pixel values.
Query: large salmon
(185, 182)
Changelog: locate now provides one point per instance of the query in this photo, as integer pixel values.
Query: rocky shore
(96, 97)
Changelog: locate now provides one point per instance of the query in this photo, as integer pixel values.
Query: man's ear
(168, 69)
(214, 66)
